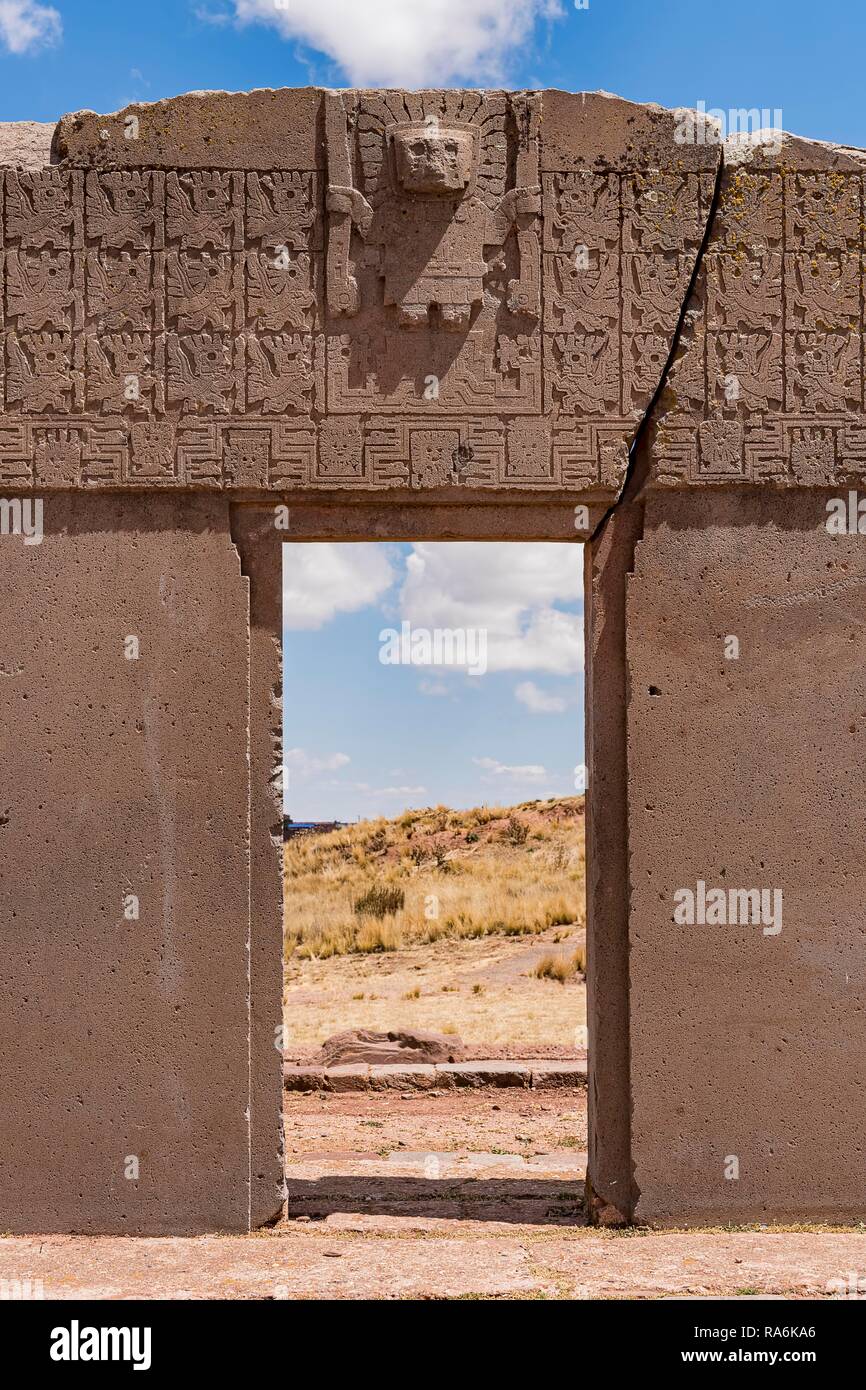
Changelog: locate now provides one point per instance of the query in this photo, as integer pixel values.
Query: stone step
(531, 1073)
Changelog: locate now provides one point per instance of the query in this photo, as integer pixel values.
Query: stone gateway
(232, 320)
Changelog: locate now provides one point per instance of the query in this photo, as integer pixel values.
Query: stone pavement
(364, 1257)
(540, 1074)
(469, 1193)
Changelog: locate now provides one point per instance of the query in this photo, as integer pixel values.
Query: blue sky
(796, 55)
(366, 738)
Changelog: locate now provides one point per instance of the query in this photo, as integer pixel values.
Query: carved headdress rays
(486, 116)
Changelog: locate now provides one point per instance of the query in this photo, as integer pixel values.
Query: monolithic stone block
(124, 844)
(746, 777)
(367, 315)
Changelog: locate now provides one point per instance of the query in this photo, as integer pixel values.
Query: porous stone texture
(124, 1034)
(230, 320)
(362, 1045)
(25, 144)
(432, 292)
(746, 1057)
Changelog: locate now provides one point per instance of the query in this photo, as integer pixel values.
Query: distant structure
(293, 828)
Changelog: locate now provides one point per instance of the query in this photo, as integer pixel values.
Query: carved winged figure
(119, 288)
(280, 209)
(39, 378)
(120, 209)
(199, 290)
(199, 209)
(280, 374)
(39, 288)
(38, 207)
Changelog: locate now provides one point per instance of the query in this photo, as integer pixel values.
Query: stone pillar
(726, 919)
(747, 1064)
(260, 550)
(125, 871)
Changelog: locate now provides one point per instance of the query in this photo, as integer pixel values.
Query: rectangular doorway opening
(434, 871)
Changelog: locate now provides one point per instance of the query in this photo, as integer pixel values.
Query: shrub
(377, 842)
(515, 831)
(382, 900)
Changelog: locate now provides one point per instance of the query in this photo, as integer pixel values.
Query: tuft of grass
(382, 900)
(560, 968)
(378, 936)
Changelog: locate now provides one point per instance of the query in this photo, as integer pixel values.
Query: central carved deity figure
(434, 198)
(434, 231)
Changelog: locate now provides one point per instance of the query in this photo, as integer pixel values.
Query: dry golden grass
(560, 968)
(435, 875)
(438, 920)
(484, 990)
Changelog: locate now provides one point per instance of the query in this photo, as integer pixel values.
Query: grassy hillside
(462, 922)
(434, 874)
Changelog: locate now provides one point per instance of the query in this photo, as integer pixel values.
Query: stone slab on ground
(420, 1077)
(402, 1047)
(489, 1210)
(488, 1073)
(541, 1074)
(551, 1075)
(348, 1078)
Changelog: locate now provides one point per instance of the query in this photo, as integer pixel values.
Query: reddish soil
(458, 1195)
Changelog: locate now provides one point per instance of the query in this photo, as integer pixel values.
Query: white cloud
(367, 790)
(528, 772)
(433, 688)
(322, 580)
(408, 43)
(26, 25)
(207, 16)
(303, 764)
(509, 591)
(536, 701)
(398, 791)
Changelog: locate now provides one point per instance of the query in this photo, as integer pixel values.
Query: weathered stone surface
(767, 385)
(433, 291)
(304, 1078)
(438, 314)
(263, 129)
(551, 1076)
(26, 144)
(347, 1078)
(395, 1077)
(746, 1036)
(124, 1034)
(261, 561)
(487, 1073)
(401, 1047)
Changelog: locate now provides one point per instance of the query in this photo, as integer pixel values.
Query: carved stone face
(433, 160)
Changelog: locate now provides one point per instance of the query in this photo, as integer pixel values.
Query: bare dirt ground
(451, 1196)
(481, 990)
(438, 921)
